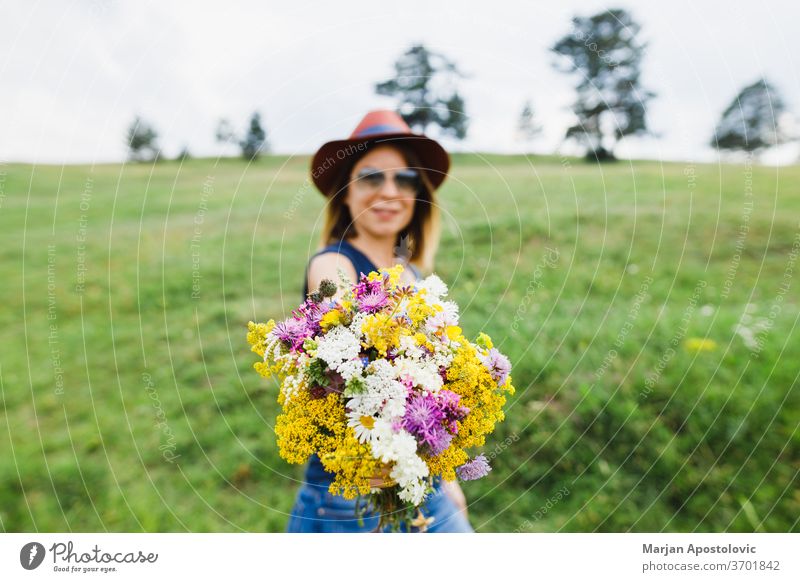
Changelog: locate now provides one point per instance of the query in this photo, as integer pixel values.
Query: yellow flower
(382, 332)
(353, 465)
(309, 425)
(393, 272)
(257, 338)
(418, 310)
(453, 331)
(330, 319)
(698, 344)
(257, 334)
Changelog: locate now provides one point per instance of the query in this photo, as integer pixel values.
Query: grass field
(650, 311)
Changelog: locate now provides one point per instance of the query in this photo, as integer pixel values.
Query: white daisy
(363, 425)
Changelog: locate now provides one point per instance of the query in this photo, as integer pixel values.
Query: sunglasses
(406, 180)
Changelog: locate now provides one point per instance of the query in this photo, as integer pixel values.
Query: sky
(74, 74)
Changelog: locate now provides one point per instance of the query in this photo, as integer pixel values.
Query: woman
(380, 184)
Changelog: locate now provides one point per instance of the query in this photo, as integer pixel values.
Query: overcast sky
(74, 74)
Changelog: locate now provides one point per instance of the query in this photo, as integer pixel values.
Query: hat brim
(333, 155)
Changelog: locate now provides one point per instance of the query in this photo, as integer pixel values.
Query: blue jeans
(317, 510)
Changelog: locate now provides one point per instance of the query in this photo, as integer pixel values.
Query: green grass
(643, 433)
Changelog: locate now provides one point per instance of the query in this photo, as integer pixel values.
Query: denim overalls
(317, 510)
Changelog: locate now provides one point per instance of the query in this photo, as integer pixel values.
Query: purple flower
(428, 417)
(474, 469)
(303, 324)
(373, 301)
(439, 442)
(423, 417)
(450, 405)
(292, 332)
(498, 366)
(365, 287)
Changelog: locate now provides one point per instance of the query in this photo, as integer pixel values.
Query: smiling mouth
(385, 212)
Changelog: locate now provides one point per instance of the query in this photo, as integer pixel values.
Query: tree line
(603, 53)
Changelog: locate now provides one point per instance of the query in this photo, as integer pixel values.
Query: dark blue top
(315, 474)
(360, 261)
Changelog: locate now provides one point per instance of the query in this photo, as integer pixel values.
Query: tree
(754, 121)
(424, 84)
(611, 104)
(254, 141)
(142, 141)
(225, 132)
(527, 126)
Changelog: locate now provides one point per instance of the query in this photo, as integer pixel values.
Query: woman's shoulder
(327, 257)
(342, 248)
(335, 252)
(325, 264)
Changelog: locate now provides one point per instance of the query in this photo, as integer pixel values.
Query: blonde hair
(422, 233)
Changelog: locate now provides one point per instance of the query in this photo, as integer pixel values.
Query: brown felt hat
(379, 126)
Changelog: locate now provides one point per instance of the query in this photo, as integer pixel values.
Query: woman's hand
(454, 492)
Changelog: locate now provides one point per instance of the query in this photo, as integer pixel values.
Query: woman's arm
(454, 492)
(326, 266)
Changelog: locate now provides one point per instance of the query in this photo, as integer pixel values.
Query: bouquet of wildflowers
(382, 382)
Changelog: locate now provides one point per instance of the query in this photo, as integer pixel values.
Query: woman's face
(382, 192)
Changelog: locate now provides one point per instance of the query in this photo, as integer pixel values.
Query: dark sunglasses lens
(404, 179)
(408, 179)
(371, 177)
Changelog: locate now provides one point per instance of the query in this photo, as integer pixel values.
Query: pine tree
(255, 140)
